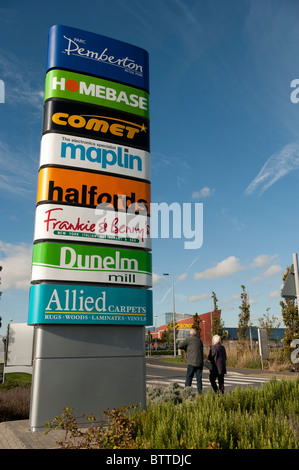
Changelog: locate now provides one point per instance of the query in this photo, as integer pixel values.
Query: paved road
(162, 373)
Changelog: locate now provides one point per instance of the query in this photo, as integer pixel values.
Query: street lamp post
(156, 339)
(173, 315)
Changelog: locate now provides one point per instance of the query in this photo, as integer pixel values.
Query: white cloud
(156, 278)
(18, 178)
(16, 263)
(273, 270)
(236, 297)
(25, 82)
(233, 220)
(262, 260)
(181, 297)
(161, 163)
(182, 277)
(256, 279)
(225, 306)
(195, 298)
(274, 295)
(224, 268)
(204, 192)
(278, 165)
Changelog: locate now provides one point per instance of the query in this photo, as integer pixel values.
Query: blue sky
(224, 133)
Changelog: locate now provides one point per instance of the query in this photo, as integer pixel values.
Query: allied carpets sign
(57, 261)
(70, 303)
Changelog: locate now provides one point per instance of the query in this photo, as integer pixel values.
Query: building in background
(185, 322)
(178, 316)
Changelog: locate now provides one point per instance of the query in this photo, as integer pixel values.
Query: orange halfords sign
(87, 189)
(184, 326)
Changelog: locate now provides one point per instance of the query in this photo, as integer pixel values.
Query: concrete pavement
(17, 435)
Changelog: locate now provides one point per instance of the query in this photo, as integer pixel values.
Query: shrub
(240, 355)
(119, 432)
(14, 404)
(15, 397)
(174, 392)
(264, 418)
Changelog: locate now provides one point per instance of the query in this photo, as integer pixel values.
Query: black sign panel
(95, 122)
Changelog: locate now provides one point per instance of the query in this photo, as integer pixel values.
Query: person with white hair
(217, 357)
(194, 356)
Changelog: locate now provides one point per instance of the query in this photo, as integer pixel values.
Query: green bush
(265, 418)
(251, 418)
(173, 393)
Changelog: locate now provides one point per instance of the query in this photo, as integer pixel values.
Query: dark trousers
(213, 376)
(191, 370)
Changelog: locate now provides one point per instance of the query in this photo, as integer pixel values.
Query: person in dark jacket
(217, 356)
(194, 355)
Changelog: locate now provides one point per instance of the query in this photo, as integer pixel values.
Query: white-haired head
(193, 332)
(216, 339)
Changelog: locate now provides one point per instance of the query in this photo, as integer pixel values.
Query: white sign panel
(94, 155)
(19, 345)
(69, 223)
(49, 273)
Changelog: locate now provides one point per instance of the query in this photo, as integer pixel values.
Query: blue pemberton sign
(73, 304)
(93, 54)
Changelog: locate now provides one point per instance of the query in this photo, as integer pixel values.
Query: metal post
(173, 314)
(260, 347)
(296, 276)
(174, 332)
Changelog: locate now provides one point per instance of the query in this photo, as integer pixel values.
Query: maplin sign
(94, 155)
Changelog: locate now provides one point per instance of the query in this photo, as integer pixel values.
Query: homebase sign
(93, 90)
(69, 303)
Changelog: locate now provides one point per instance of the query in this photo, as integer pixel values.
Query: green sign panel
(93, 90)
(95, 264)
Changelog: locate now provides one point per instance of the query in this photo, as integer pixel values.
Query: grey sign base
(89, 368)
